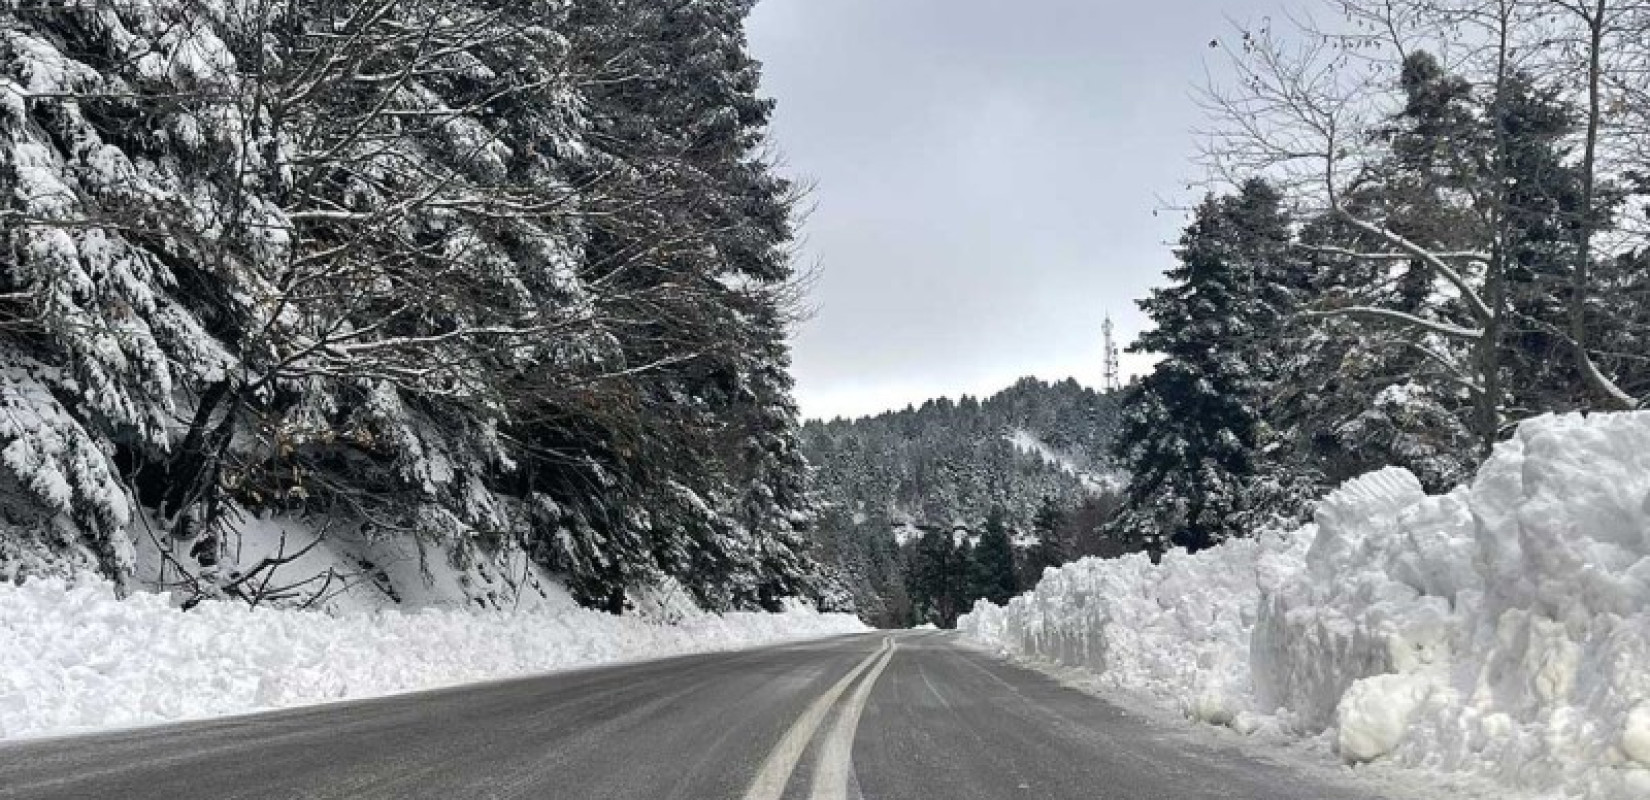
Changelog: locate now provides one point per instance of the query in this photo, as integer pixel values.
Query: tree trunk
(1586, 226)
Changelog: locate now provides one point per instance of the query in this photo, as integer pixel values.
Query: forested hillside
(489, 276)
(893, 489)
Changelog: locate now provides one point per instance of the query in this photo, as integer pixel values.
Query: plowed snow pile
(1501, 630)
(74, 658)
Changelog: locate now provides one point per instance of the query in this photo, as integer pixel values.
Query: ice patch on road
(74, 658)
(1501, 630)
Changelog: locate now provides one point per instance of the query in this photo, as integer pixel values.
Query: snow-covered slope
(73, 658)
(1093, 481)
(340, 613)
(333, 564)
(1501, 630)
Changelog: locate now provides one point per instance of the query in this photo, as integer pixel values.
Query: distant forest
(924, 510)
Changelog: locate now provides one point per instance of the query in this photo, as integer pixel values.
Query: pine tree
(1469, 171)
(932, 577)
(1191, 427)
(991, 564)
(1049, 548)
(1542, 203)
(695, 207)
(531, 293)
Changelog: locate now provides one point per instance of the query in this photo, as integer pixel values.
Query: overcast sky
(986, 173)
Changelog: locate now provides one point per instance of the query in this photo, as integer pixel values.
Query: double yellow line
(830, 781)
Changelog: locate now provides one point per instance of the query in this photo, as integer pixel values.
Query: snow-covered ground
(74, 658)
(333, 565)
(1500, 631)
(1095, 483)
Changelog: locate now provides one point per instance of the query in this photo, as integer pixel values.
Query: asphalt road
(882, 717)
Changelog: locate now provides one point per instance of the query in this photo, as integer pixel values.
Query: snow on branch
(1390, 315)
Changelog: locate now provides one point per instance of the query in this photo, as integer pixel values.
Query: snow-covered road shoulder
(1501, 630)
(73, 658)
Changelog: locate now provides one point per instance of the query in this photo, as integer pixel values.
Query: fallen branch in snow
(264, 571)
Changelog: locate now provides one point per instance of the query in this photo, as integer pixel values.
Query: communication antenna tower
(1112, 382)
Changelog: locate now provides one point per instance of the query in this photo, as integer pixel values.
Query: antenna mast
(1111, 381)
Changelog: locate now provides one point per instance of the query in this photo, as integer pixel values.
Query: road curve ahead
(903, 716)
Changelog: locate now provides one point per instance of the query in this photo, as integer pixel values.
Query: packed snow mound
(1179, 631)
(74, 658)
(1502, 629)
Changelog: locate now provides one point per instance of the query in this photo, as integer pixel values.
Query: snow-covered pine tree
(105, 186)
(938, 577)
(1624, 311)
(403, 264)
(1492, 190)
(991, 572)
(696, 224)
(1426, 376)
(1191, 428)
(1049, 549)
(1542, 202)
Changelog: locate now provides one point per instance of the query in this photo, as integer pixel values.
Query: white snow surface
(1027, 442)
(74, 658)
(334, 567)
(1499, 631)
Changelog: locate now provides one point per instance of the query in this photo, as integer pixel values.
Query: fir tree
(1191, 427)
(1468, 171)
(1049, 548)
(991, 573)
(530, 294)
(936, 578)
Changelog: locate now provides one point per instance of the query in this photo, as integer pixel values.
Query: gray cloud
(986, 173)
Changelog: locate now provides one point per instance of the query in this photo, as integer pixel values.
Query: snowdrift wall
(1502, 629)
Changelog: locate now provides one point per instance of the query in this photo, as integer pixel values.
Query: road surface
(903, 716)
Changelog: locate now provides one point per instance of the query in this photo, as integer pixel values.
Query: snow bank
(74, 658)
(1501, 630)
(1179, 631)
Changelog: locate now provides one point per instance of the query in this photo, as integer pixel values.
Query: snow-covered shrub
(1502, 629)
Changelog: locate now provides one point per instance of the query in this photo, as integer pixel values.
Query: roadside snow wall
(73, 658)
(1501, 630)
